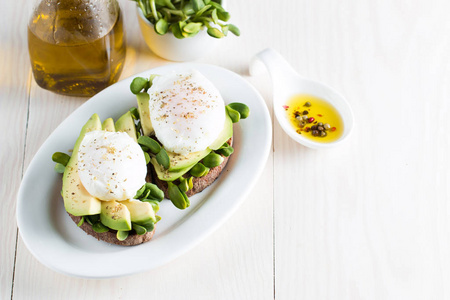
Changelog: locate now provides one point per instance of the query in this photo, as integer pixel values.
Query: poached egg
(187, 111)
(111, 165)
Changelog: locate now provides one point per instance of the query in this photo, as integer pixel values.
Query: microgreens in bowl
(185, 18)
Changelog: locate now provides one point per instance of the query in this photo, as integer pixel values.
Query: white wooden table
(369, 219)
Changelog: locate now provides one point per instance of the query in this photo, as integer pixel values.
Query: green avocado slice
(180, 162)
(115, 215)
(144, 113)
(77, 200)
(167, 175)
(126, 124)
(108, 125)
(141, 212)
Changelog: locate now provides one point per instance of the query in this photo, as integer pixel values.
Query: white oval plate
(54, 239)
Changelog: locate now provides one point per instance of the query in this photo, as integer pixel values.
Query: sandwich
(174, 145)
(186, 117)
(100, 181)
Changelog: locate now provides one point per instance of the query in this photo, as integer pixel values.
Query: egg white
(111, 165)
(186, 110)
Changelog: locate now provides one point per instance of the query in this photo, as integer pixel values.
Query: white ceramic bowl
(169, 47)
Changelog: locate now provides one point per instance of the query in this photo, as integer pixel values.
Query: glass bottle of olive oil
(76, 47)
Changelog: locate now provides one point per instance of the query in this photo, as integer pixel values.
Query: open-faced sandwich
(101, 178)
(186, 115)
(173, 146)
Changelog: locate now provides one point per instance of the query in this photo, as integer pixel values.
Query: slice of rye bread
(199, 183)
(110, 236)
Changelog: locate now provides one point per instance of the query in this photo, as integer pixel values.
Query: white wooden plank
(14, 79)
(368, 219)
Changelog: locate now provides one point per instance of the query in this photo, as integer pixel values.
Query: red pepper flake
(307, 129)
(285, 107)
(319, 115)
(333, 129)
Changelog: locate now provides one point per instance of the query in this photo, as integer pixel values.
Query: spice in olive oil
(314, 118)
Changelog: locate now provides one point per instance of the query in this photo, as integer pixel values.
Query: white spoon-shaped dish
(287, 83)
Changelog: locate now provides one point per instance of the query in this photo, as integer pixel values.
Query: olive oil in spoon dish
(311, 113)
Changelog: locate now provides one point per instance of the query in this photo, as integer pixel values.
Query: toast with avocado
(124, 222)
(187, 131)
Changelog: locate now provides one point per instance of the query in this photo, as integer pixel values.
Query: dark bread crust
(110, 236)
(199, 183)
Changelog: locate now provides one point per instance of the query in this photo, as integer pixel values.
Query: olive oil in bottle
(76, 47)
